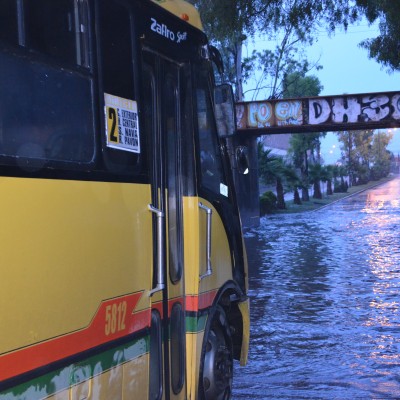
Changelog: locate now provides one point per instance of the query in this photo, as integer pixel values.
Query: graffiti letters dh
(359, 111)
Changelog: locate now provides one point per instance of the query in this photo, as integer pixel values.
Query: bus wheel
(216, 369)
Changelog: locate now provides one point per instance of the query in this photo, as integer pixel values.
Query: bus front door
(162, 112)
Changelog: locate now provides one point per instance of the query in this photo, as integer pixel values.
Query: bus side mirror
(242, 160)
(216, 58)
(225, 114)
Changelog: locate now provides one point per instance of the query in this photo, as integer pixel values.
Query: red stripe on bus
(171, 302)
(204, 300)
(114, 319)
(193, 303)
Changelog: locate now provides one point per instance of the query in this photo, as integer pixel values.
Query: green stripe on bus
(195, 324)
(61, 379)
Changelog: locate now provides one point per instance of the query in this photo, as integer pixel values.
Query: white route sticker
(122, 123)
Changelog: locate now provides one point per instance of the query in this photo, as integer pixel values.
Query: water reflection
(325, 302)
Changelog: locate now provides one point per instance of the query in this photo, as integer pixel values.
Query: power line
(324, 33)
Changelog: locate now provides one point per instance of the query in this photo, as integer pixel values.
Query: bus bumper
(244, 308)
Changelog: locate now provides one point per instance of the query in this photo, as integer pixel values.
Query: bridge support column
(246, 184)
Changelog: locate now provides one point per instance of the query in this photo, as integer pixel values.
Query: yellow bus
(123, 267)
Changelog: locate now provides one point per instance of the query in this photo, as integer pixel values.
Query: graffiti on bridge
(320, 113)
(354, 109)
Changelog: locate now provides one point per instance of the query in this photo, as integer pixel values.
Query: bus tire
(216, 367)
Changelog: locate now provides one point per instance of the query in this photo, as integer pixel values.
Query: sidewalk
(316, 204)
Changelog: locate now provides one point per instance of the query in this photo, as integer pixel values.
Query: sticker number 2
(112, 116)
(115, 318)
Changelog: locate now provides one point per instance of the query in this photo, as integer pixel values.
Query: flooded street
(325, 298)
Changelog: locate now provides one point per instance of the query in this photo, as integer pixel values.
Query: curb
(350, 195)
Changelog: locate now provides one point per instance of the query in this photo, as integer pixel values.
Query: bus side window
(9, 21)
(116, 49)
(212, 175)
(58, 29)
(46, 110)
(117, 77)
(50, 27)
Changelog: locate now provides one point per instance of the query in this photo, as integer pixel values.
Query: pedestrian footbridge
(301, 115)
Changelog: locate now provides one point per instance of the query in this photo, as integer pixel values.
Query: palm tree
(299, 147)
(343, 171)
(329, 174)
(276, 169)
(315, 175)
(293, 183)
(264, 160)
(339, 171)
(273, 169)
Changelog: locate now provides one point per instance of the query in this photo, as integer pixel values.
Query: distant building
(278, 144)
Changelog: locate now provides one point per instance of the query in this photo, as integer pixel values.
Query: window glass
(9, 21)
(50, 28)
(118, 78)
(177, 348)
(45, 113)
(210, 160)
(155, 390)
(82, 33)
(173, 181)
(116, 50)
(149, 120)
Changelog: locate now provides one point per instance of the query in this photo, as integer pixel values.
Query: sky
(346, 66)
(347, 69)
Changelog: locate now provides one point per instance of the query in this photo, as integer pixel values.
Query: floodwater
(325, 302)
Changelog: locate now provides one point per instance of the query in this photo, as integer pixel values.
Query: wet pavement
(325, 297)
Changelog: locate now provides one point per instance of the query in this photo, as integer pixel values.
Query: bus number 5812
(115, 318)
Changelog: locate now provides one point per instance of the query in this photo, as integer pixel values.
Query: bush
(268, 203)
(340, 186)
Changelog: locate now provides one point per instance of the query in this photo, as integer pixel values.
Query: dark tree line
(365, 157)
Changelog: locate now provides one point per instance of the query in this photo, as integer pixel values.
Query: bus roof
(183, 10)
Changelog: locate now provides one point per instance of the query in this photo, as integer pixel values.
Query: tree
(279, 171)
(329, 174)
(340, 171)
(299, 147)
(380, 155)
(365, 154)
(229, 23)
(297, 84)
(316, 175)
(264, 160)
(273, 169)
(275, 65)
(348, 153)
(386, 47)
(293, 183)
(362, 146)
